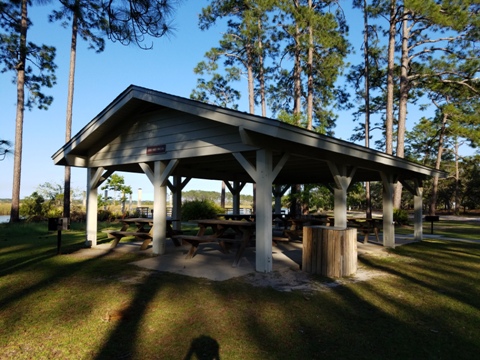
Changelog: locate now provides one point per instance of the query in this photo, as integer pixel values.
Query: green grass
(426, 306)
(465, 230)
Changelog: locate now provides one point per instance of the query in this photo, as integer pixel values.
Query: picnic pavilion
(173, 139)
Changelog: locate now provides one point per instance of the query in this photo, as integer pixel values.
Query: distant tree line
(215, 197)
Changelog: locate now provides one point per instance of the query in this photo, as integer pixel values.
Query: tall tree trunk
(305, 205)
(390, 68)
(251, 99)
(433, 200)
(403, 103)
(457, 181)
(295, 205)
(17, 157)
(261, 72)
(368, 200)
(297, 81)
(310, 74)
(295, 208)
(68, 122)
(222, 196)
(251, 92)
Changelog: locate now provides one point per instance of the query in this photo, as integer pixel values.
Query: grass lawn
(425, 306)
(457, 229)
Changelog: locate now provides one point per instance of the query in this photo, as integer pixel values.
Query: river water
(4, 218)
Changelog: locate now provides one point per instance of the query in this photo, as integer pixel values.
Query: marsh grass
(5, 208)
(426, 306)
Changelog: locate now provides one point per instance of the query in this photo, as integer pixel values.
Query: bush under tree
(200, 209)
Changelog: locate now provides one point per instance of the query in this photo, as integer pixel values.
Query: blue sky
(99, 79)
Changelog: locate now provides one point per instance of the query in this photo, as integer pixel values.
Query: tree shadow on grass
(439, 266)
(125, 339)
(122, 340)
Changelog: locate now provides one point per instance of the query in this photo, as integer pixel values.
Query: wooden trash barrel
(329, 251)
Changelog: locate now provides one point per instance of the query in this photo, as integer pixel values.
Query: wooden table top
(225, 222)
(237, 216)
(142, 220)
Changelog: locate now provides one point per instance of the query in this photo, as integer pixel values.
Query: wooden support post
(418, 208)
(388, 225)
(263, 174)
(94, 179)
(176, 189)
(263, 200)
(159, 241)
(235, 189)
(159, 179)
(417, 191)
(340, 207)
(278, 192)
(342, 178)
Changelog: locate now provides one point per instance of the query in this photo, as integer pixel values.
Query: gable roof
(143, 126)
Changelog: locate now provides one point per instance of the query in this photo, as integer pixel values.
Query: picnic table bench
(196, 240)
(118, 235)
(141, 232)
(295, 232)
(242, 233)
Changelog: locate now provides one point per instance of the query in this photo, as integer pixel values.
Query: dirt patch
(291, 280)
(285, 278)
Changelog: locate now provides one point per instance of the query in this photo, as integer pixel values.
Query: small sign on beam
(157, 149)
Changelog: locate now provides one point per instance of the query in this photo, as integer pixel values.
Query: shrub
(104, 215)
(77, 213)
(200, 209)
(400, 216)
(36, 208)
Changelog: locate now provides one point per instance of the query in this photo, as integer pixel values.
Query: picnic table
(248, 217)
(366, 226)
(295, 231)
(142, 230)
(225, 232)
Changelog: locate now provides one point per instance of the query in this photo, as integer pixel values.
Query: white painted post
(106, 199)
(263, 202)
(139, 198)
(159, 241)
(418, 214)
(92, 209)
(340, 207)
(388, 225)
(342, 181)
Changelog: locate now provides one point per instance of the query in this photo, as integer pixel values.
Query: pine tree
(315, 40)
(34, 69)
(243, 44)
(421, 47)
(125, 22)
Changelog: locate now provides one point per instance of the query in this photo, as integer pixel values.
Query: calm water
(4, 218)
